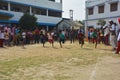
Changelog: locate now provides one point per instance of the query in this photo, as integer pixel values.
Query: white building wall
(40, 3)
(92, 20)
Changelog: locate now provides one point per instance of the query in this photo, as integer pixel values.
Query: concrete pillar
(9, 7)
(86, 21)
(47, 13)
(30, 10)
(61, 1)
(47, 28)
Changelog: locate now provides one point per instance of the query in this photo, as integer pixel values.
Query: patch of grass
(62, 77)
(10, 67)
(71, 55)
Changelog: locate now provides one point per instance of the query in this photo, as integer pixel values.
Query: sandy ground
(106, 68)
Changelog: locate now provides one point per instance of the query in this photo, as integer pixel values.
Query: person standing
(106, 34)
(13, 34)
(23, 39)
(43, 31)
(1, 36)
(118, 40)
(89, 39)
(72, 35)
(50, 39)
(95, 37)
(37, 35)
(6, 37)
(112, 28)
(102, 36)
(42, 38)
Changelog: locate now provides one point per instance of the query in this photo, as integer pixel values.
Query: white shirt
(112, 27)
(24, 35)
(43, 31)
(106, 31)
(118, 39)
(1, 35)
(50, 37)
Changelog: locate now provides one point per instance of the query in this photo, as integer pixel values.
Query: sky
(78, 7)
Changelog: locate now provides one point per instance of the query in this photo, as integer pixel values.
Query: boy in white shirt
(23, 38)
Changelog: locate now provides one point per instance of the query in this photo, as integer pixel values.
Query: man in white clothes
(106, 34)
(23, 38)
(112, 28)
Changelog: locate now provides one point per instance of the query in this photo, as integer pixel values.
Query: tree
(81, 22)
(28, 22)
(101, 22)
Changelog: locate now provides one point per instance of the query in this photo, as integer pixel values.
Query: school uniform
(50, 38)
(42, 38)
(94, 36)
(106, 35)
(62, 38)
(113, 36)
(24, 35)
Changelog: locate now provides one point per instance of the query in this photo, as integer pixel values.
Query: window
(101, 9)
(90, 11)
(52, 0)
(3, 6)
(113, 7)
(54, 13)
(39, 11)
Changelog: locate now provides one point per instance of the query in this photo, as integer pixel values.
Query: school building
(101, 10)
(48, 12)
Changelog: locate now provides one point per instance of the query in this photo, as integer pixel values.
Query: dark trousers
(37, 38)
(1, 42)
(107, 39)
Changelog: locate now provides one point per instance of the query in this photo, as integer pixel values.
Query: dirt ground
(67, 63)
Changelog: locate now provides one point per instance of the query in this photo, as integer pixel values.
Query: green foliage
(101, 22)
(81, 22)
(28, 22)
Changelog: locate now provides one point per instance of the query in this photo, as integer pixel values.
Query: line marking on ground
(94, 71)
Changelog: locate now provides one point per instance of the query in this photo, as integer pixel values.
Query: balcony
(39, 3)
